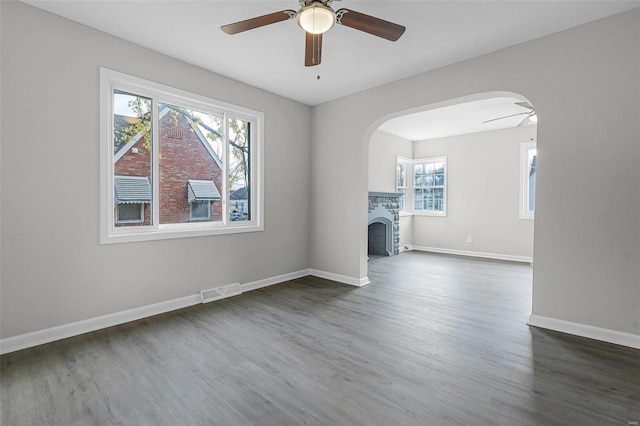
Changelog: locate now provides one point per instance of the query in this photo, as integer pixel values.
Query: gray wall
(54, 271)
(482, 194)
(584, 84)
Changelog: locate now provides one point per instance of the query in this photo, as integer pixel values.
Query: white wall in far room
(482, 194)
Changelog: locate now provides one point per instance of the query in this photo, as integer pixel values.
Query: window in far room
(430, 186)
(528, 161)
(423, 183)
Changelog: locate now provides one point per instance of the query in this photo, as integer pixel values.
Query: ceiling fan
(530, 118)
(317, 17)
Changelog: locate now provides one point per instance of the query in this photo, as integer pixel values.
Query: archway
(479, 211)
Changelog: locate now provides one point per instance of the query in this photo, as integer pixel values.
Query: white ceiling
(459, 119)
(272, 57)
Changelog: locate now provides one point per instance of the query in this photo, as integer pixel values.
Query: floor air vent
(220, 292)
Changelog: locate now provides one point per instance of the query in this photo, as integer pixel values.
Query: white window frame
(109, 233)
(119, 221)
(525, 147)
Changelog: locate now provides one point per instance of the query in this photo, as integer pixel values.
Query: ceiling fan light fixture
(316, 18)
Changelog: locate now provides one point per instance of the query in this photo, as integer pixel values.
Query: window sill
(166, 232)
(430, 213)
(421, 213)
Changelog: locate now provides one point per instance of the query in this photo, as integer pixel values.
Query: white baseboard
(498, 256)
(584, 330)
(358, 282)
(254, 285)
(35, 338)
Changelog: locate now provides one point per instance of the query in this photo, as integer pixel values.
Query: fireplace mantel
(384, 194)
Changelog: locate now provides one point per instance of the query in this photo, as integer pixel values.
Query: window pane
(428, 199)
(239, 170)
(438, 199)
(191, 163)
(531, 199)
(428, 181)
(401, 174)
(418, 198)
(418, 175)
(429, 168)
(438, 179)
(200, 210)
(132, 156)
(129, 213)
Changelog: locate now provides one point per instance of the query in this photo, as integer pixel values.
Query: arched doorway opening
(466, 170)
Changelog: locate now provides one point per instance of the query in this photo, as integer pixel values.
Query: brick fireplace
(384, 228)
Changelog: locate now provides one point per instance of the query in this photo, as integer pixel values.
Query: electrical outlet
(469, 239)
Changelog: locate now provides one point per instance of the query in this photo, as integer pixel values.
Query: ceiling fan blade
(259, 21)
(312, 50)
(507, 116)
(369, 24)
(526, 105)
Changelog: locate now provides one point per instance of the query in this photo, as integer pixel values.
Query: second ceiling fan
(317, 17)
(530, 118)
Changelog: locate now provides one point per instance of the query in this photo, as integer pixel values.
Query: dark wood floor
(433, 340)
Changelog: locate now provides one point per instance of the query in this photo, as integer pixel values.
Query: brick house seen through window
(190, 173)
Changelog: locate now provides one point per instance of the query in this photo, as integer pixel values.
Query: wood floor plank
(433, 340)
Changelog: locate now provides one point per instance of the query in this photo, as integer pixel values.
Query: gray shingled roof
(203, 190)
(132, 189)
(239, 194)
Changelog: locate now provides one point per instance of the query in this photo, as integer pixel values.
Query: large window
(176, 164)
(528, 160)
(424, 185)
